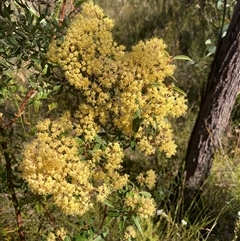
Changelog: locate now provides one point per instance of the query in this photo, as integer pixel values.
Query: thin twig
(22, 107)
(104, 217)
(11, 189)
(5, 129)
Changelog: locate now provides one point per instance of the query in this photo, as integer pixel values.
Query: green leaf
(13, 41)
(130, 194)
(38, 207)
(121, 223)
(80, 150)
(7, 12)
(79, 2)
(79, 141)
(136, 221)
(113, 213)
(108, 204)
(20, 4)
(79, 238)
(136, 124)
(52, 106)
(36, 60)
(181, 57)
(20, 33)
(155, 84)
(137, 114)
(91, 232)
(146, 194)
(178, 90)
(99, 238)
(97, 147)
(3, 63)
(133, 144)
(100, 140)
(67, 238)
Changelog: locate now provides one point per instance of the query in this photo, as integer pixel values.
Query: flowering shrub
(54, 165)
(77, 159)
(121, 91)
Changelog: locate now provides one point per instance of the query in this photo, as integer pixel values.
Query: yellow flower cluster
(149, 179)
(120, 90)
(129, 233)
(51, 237)
(53, 165)
(60, 235)
(123, 97)
(143, 206)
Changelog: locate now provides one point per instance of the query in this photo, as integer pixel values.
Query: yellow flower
(51, 237)
(149, 180)
(143, 206)
(129, 233)
(61, 233)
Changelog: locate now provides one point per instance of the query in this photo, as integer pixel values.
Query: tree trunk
(216, 107)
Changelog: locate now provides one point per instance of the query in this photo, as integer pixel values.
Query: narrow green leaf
(36, 60)
(121, 224)
(146, 194)
(108, 204)
(91, 232)
(80, 150)
(136, 221)
(96, 147)
(20, 4)
(79, 2)
(3, 63)
(178, 90)
(7, 12)
(3, 19)
(113, 214)
(181, 57)
(20, 33)
(155, 84)
(13, 41)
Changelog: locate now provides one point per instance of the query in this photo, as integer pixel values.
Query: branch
(10, 187)
(22, 107)
(4, 128)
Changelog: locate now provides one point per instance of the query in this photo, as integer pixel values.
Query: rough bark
(218, 101)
